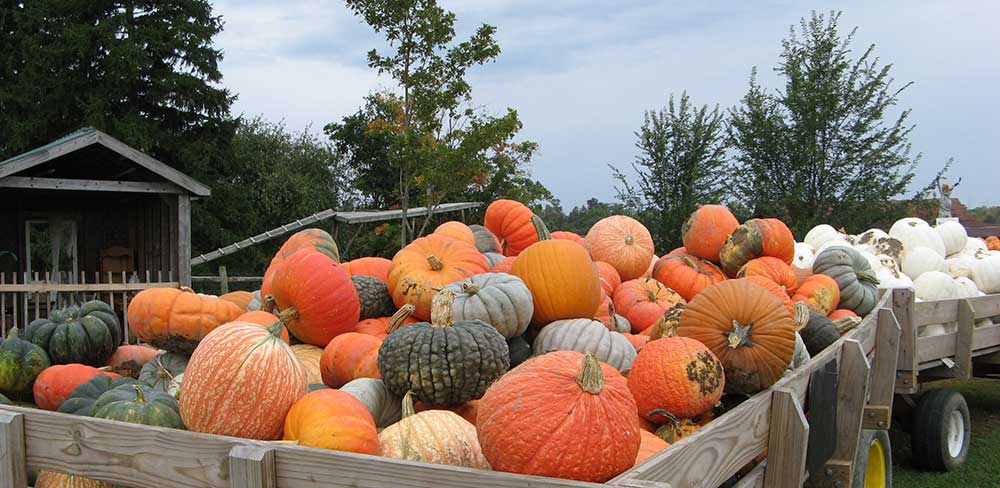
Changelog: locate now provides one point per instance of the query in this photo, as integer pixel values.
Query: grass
(982, 468)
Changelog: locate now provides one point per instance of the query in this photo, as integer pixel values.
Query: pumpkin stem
(801, 315)
(188, 289)
(629, 240)
(408, 405)
(666, 326)
(399, 317)
(290, 313)
(162, 370)
(276, 328)
(269, 304)
(740, 335)
(435, 263)
(591, 377)
(139, 396)
(442, 313)
(540, 228)
(670, 416)
(470, 288)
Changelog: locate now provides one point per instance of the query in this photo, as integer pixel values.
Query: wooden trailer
(846, 390)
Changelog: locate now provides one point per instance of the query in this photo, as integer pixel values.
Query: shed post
(184, 239)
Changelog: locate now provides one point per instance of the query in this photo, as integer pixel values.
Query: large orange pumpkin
(643, 301)
(456, 230)
(706, 230)
(239, 298)
(369, 266)
(562, 278)
(774, 269)
(241, 381)
(776, 290)
(427, 263)
(561, 414)
(686, 274)
(317, 298)
(622, 242)
(756, 238)
(348, 357)
(263, 319)
(820, 293)
(176, 319)
(747, 328)
(678, 375)
(649, 445)
(569, 236)
(514, 224)
(54, 384)
(332, 419)
(610, 279)
(318, 240)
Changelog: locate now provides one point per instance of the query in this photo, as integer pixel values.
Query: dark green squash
(138, 404)
(20, 363)
(86, 334)
(162, 369)
(443, 362)
(81, 401)
(818, 333)
(520, 350)
(374, 296)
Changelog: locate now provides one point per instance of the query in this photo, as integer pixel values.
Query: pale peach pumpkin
(622, 242)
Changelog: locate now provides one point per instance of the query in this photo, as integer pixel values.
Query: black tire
(862, 459)
(935, 436)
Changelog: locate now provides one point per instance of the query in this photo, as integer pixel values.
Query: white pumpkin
(914, 232)
(833, 243)
(920, 260)
(966, 288)
(821, 234)
(873, 260)
(871, 236)
(802, 263)
(953, 236)
(961, 265)
(892, 278)
(986, 272)
(973, 245)
(937, 329)
(935, 285)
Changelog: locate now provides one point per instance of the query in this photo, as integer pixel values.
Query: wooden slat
(71, 287)
(223, 280)
(252, 467)
(902, 307)
(13, 467)
(964, 340)
(943, 346)
(184, 240)
(986, 306)
(946, 311)
(232, 279)
(144, 160)
(883, 371)
(88, 185)
(786, 445)
(21, 163)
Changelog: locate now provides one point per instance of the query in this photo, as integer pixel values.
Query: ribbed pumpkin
(20, 363)
(686, 274)
(129, 359)
(777, 290)
(706, 230)
(586, 336)
(432, 436)
(176, 319)
(643, 301)
(308, 356)
(498, 299)
(610, 279)
(513, 224)
(747, 328)
(380, 326)
(819, 292)
(428, 263)
(53, 479)
(239, 298)
(485, 240)
(83, 398)
(316, 297)
(85, 334)
(241, 381)
(443, 362)
(563, 415)
(384, 407)
(857, 282)
(138, 404)
(369, 266)
(649, 445)
(493, 258)
(332, 419)
(56, 383)
(569, 236)
(504, 266)
(773, 269)
(348, 357)
(562, 278)
(676, 374)
(456, 230)
(373, 294)
(622, 242)
(317, 240)
(753, 239)
(161, 371)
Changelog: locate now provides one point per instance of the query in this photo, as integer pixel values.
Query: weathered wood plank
(252, 467)
(88, 185)
(883, 371)
(787, 440)
(942, 346)
(82, 287)
(902, 307)
(945, 311)
(13, 467)
(184, 240)
(964, 340)
(753, 479)
(144, 160)
(17, 165)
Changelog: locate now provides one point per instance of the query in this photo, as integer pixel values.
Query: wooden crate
(771, 421)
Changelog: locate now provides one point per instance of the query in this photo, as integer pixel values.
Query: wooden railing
(223, 279)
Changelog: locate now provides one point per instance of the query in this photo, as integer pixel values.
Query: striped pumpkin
(241, 381)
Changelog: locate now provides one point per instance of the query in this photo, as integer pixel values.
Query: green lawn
(982, 469)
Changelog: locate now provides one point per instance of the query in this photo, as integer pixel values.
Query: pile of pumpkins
(499, 346)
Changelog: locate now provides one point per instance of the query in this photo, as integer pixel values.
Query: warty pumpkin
(643, 301)
(86, 334)
(177, 319)
(819, 292)
(564, 415)
(706, 230)
(317, 240)
(774, 269)
(375, 267)
(348, 357)
(514, 224)
(686, 274)
(747, 328)
(586, 336)
(498, 299)
(241, 381)
(373, 295)
(675, 374)
(857, 282)
(456, 230)
(385, 408)
(129, 359)
(753, 239)
(331, 419)
(610, 279)
(21, 362)
(432, 436)
(562, 278)
(622, 242)
(428, 263)
(56, 383)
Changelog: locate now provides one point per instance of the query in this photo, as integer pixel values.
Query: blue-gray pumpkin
(854, 276)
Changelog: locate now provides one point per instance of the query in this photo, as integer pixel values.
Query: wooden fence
(224, 280)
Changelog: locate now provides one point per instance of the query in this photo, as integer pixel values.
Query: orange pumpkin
(686, 274)
(841, 313)
(456, 230)
(332, 419)
(54, 384)
(678, 375)
(349, 356)
(622, 242)
(468, 410)
(610, 279)
(308, 356)
(514, 224)
(318, 240)
(706, 230)
(176, 319)
(776, 290)
(427, 263)
(756, 238)
(652, 264)
(649, 444)
(774, 269)
(643, 301)
(747, 328)
(820, 293)
(561, 414)
(263, 319)
(239, 298)
(638, 340)
(432, 436)
(569, 236)
(369, 266)
(316, 297)
(504, 266)
(128, 360)
(241, 381)
(380, 326)
(562, 278)
(607, 315)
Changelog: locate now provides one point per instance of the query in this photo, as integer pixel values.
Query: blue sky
(581, 73)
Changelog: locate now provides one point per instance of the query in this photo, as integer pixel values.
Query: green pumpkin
(87, 334)
(818, 333)
(81, 400)
(20, 363)
(160, 371)
(854, 276)
(443, 362)
(519, 349)
(374, 296)
(139, 404)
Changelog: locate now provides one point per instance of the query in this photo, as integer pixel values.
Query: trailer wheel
(873, 462)
(941, 431)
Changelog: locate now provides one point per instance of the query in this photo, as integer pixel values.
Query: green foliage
(987, 215)
(823, 149)
(681, 165)
(581, 219)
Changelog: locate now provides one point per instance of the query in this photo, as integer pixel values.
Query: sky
(581, 73)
